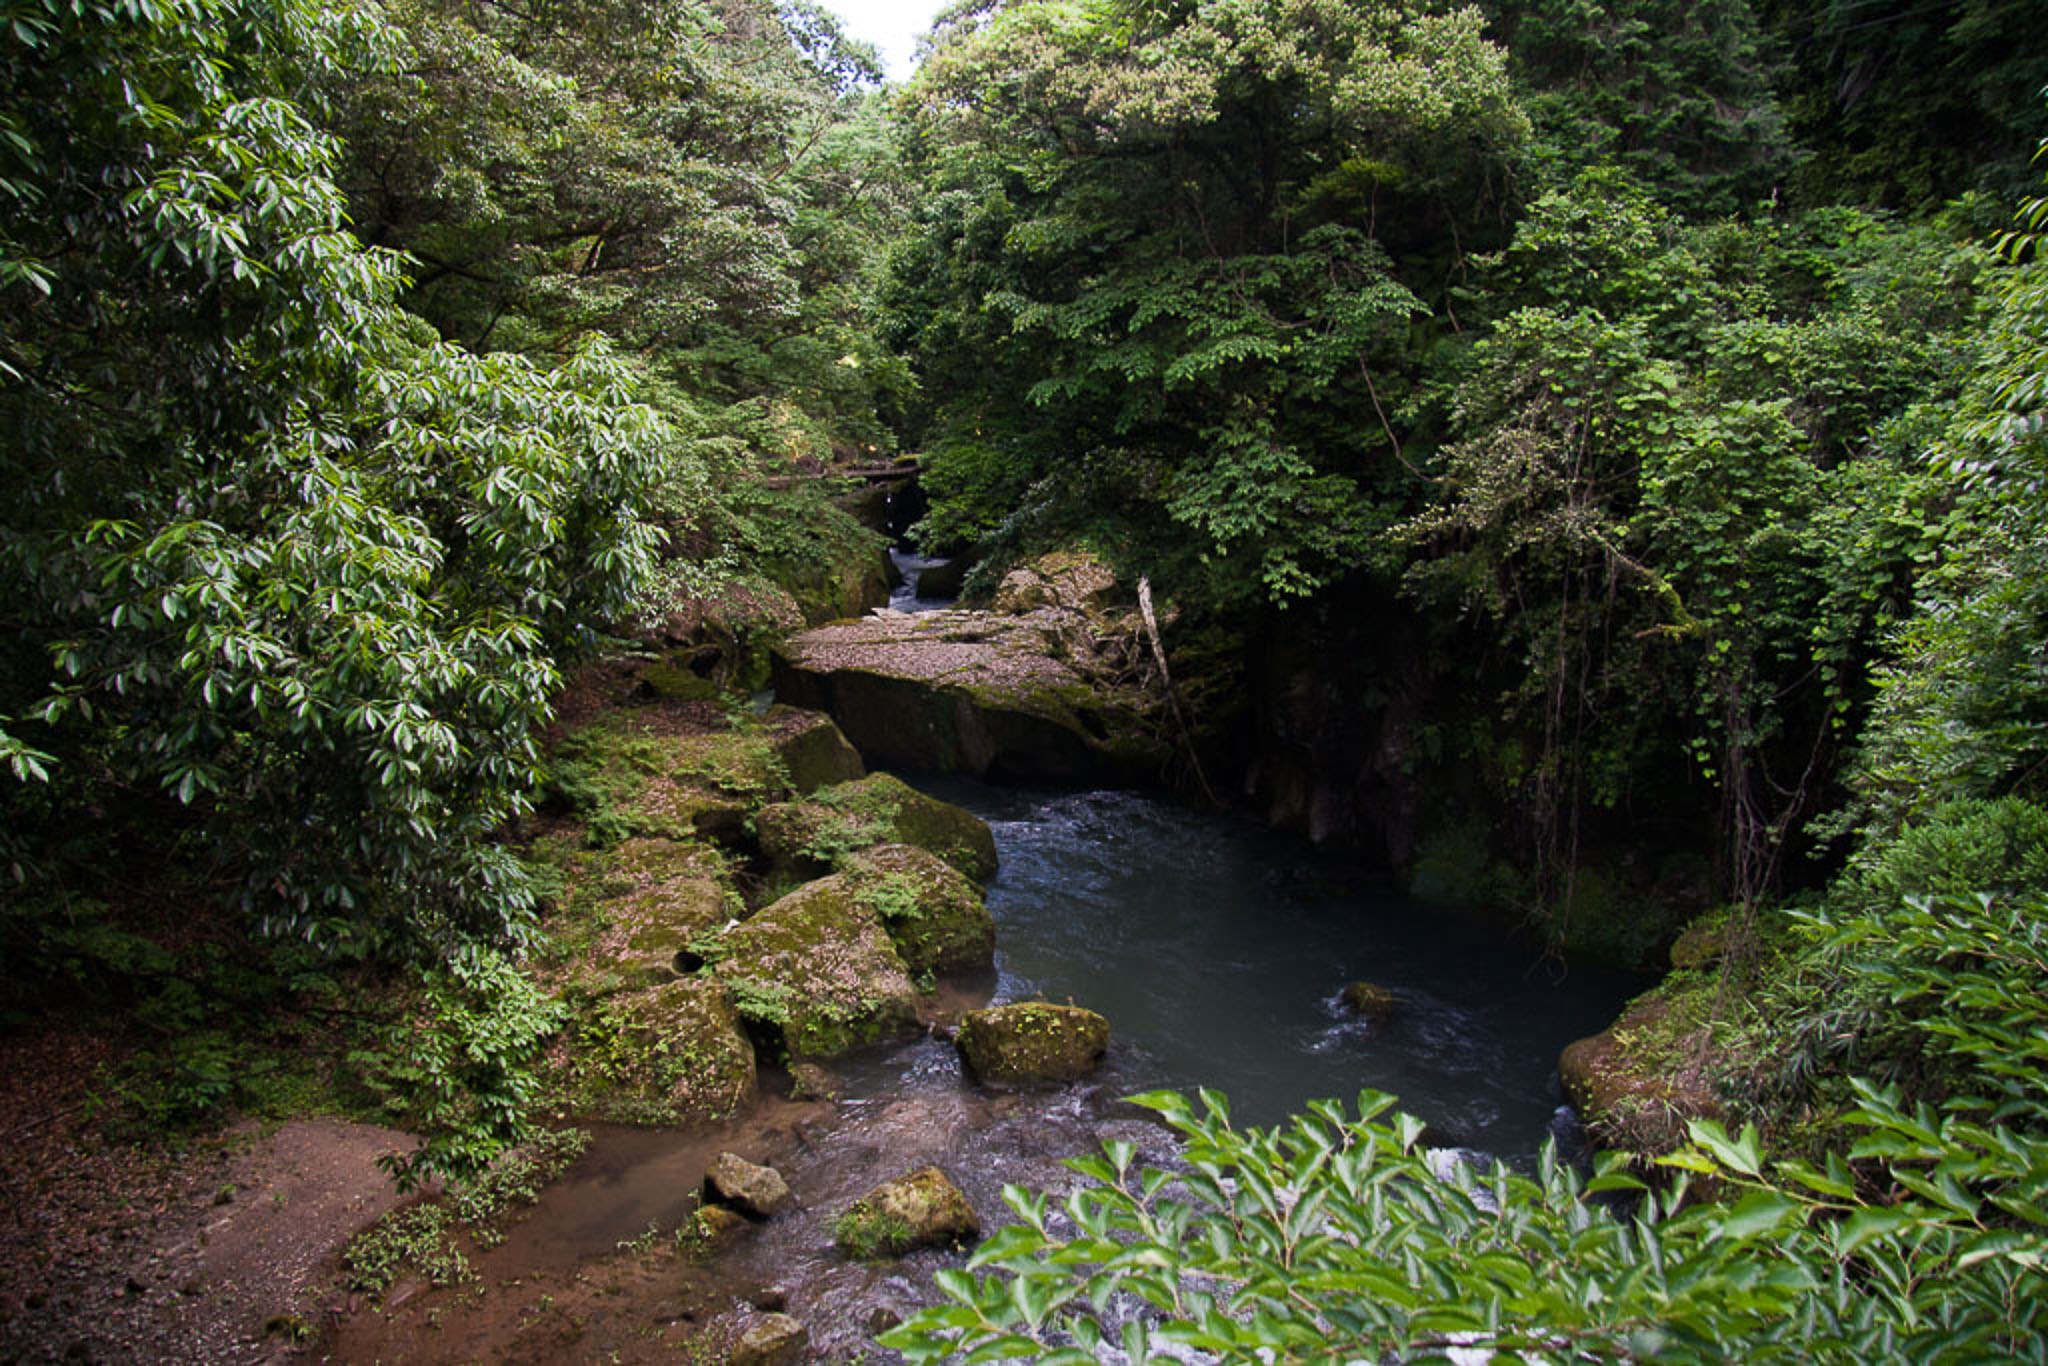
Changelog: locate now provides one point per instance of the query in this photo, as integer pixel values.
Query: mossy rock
(922, 1209)
(1702, 943)
(655, 897)
(846, 589)
(672, 680)
(631, 776)
(1032, 1041)
(933, 914)
(817, 968)
(813, 752)
(814, 835)
(1369, 1001)
(676, 1053)
(1639, 1082)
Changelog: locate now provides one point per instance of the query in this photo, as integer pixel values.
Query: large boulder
(1032, 1041)
(813, 752)
(922, 1209)
(678, 1051)
(1061, 689)
(809, 837)
(817, 968)
(933, 914)
(652, 898)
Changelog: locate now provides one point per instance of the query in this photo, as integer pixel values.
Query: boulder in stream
(922, 1209)
(1369, 1001)
(746, 1186)
(807, 838)
(1032, 1041)
(771, 1340)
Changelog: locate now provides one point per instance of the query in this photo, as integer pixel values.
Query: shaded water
(1218, 950)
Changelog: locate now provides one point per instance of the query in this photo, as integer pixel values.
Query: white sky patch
(891, 25)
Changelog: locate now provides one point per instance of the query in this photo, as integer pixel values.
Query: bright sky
(891, 25)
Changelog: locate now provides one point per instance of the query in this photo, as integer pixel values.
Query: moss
(1032, 1041)
(813, 752)
(922, 1209)
(675, 1053)
(933, 914)
(839, 821)
(1638, 1082)
(817, 969)
(675, 682)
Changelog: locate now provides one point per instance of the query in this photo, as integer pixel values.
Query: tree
(1155, 293)
(289, 579)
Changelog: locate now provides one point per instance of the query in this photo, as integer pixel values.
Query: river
(1216, 949)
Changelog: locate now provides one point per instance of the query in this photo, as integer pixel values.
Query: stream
(1216, 949)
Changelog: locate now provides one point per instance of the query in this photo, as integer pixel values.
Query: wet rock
(922, 1209)
(745, 1186)
(805, 839)
(933, 914)
(1369, 1002)
(809, 1081)
(818, 969)
(1032, 1041)
(942, 578)
(1059, 689)
(771, 1340)
(716, 1221)
(772, 1299)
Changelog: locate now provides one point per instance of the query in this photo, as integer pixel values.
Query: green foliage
(1340, 1237)
(1680, 94)
(419, 1240)
(870, 1234)
(1910, 105)
(1152, 285)
(287, 575)
(1685, 488)
(459, 1070)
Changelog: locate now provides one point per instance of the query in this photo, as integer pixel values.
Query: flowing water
(910, 564)
(1216, 950)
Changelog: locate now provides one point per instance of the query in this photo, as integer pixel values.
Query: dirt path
(216, 1253)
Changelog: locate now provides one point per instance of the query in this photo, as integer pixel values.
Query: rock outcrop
(933, 914)
(923, 1209)
(807, 838)
(1058, 685)
(1032, 1041)
(817, 968)
(1637, 1083)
